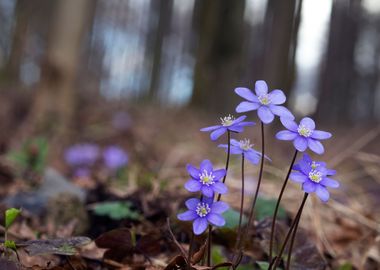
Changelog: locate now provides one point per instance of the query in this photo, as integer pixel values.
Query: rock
(53, 186)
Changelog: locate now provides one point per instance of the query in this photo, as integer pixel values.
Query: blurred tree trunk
(338, 73)
(163, 12)
(219, 53)
(280, 37)
(53, 107)
(12, 68)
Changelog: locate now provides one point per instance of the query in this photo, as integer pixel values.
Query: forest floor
(133, 233)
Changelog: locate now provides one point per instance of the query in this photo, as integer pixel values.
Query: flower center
(207, 178)
(227, 120)
(304, 131)
(314, 165)
(264, 99)
(202, 209)
(245, 144)
(315, 176)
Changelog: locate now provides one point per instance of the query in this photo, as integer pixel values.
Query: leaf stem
(292, 243)
(228, 159)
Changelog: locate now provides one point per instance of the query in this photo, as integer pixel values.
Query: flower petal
(328, 182)
(261, 88)
(245, 124)
(322, 193)
(234, 142)
(252, 157)
(289, 123)
(236, 129)
(216, 219)
(246, 93)
(265, 114)
(246, 106)
(300, 143)
(219, 173)
(239, 119)
(194, 172)
(308, 122)
(188, 215)
(211, 128)
(235, 150)
(207, 191)
(330, 172)
(192, 203)
(219, 207)
(298, 177)
(200, 225)
(206, 165)
(309, 186)
(315, 146)
(277, 97)
(320, 135)
(217, 133)
(286, 135)
(220, 188)
(307, 158)
(304, 167)
(193, 185)
(281, 111)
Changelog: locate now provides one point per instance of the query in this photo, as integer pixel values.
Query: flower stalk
(273, 227)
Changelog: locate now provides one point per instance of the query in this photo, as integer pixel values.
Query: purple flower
(313, 176)
(266, 104)
(204, 212)
(82, 155)
(115, 157)
(206, 179)
(244, 147)
(228, 123)
(303, 135)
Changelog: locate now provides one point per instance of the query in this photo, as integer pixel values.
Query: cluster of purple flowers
(304, 135)
(82, 157)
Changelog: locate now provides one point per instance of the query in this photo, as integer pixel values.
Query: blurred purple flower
(204, 212)
(81, 155)
(206, 179)
(115, 157)
(244, 147)
(313, 176)
(82, 172)
(266, 104)
(228, 123)
(303, 135)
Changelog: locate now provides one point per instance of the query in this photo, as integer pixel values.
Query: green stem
(278, 204)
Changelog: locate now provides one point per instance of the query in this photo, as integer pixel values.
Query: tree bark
(219, 54)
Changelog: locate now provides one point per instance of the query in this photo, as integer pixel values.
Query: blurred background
(147, 74)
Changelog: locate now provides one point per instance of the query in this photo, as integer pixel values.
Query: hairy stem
(278, 204)
(240, 230)
(209, 245)
(293, 226)
(228, 159)
(190, 249)
(292, 243)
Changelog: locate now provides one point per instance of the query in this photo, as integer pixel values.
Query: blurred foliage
(32, 155)
(10, 215)
(265, 208)
(116, 210)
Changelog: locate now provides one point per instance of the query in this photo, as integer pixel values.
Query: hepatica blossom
(115, 157)
(303, 135)
(227, 123)
(204, 212)
(206, 179)
(82, 155)
(266, 104)
(244, 147)
(314, 177)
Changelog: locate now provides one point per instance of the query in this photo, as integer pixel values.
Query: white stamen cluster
(304, 131)
(227, 120)
(245, 144)
(264, 99)
(202, 209)
(314, 165)
(207, 178)
(315, 176)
